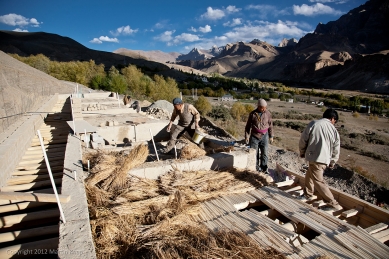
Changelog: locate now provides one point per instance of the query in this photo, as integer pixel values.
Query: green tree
(203, 105)
(238, 111)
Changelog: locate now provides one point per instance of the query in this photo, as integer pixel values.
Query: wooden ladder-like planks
(29, 214)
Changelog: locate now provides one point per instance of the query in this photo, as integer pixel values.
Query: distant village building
(227, 97)
(289, 100)
(274, 100)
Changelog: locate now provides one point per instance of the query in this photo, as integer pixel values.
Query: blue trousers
(261, 146)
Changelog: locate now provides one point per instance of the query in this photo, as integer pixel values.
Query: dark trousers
(176, 134)
(261, 146)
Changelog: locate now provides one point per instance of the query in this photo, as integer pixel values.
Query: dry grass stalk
(191, 150)
(153, 218)
(118, 180)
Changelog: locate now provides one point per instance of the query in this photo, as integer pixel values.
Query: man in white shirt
(320, 145)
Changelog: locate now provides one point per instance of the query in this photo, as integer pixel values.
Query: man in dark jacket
(258, 132)
(188, 121)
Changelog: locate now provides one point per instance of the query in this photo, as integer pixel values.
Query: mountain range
(350, 53)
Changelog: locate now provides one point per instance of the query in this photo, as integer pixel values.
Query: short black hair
(331, 113)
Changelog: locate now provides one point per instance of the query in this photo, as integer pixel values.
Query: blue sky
(170, 25)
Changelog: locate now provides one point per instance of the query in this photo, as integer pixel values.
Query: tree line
(129, 80)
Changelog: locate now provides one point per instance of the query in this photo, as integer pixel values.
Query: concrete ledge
(14, 146)
(241, 159)
(75, 237)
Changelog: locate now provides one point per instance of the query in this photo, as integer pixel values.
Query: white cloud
(185, 37)
(213, 14)
(263, 11)
(165, 36)
(96, 41)
(329, 1)
(234, 22)
(232, 9)
(272, 33)
(124, 30)
(20, 30)
(18, 20)
(193, 29)
(317, 9)
(101, 39)
(205, 29)
(162, 24)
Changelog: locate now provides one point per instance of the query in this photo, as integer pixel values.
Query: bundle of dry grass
(110, 169)
(152, 218)
(191, 150)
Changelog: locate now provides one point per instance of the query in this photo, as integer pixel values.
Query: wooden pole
(152, 138)
(51, 177)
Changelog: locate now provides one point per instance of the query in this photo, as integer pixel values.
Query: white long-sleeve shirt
(320, 142)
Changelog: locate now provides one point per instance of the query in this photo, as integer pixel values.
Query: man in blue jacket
(320, 145)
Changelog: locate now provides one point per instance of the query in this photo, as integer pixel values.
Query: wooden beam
(296, 188)
(41, 245)
(9, 221)
(20, 206)
(54, 169)
(28, 233)
(382, 235)
(31, 178)
(28, 186)
(349, 213)
(376, 228)
(46, 190)
(284, 183)
(38, 197)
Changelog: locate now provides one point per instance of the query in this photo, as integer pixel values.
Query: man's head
(332, 115)
(177, 102)
(262, 105)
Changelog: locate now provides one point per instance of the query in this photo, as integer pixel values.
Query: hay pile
(133, 217)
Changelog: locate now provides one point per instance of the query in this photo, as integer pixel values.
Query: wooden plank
(376, 228)
(284, 183)
(298, 192)
(37, 197)
(40, 160)
(39, 166)
(41, 245)
(31, 178)
(54, 169)
(293, 189)
(28, 233)
(28, 186)
(349, 213)
(381, 234)
(9, 221)
(20, 206)
(371, 213)
(319, 203)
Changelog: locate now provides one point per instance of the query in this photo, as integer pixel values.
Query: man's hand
(247, 140)
(168, 128)
(331, 166)
(197, 126)
(271, 140)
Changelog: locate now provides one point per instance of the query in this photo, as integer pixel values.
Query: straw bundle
(110, 169)
(191, 150)
(118, 179)
(133, 217)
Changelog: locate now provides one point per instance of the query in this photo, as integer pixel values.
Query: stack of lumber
(29, 213)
